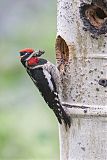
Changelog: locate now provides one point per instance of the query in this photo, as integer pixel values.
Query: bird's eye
(27, 53)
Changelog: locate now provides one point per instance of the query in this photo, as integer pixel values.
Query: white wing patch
(48, 77)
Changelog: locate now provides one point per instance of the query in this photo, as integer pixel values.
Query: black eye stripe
(24, 53)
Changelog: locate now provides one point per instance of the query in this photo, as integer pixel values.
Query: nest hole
(96, 16)
(62, 50)
(100, 13)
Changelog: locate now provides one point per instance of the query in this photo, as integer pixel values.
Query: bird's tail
(63, 117)
(66, 119)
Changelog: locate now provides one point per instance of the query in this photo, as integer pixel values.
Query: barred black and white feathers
(45, 76)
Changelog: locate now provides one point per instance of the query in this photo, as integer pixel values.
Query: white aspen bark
(85, 64)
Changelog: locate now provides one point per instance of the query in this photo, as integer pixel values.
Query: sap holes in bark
(94, 17)
(103, 82)
(62, 52)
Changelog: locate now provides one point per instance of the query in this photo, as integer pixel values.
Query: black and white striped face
(26, 53)
(29, 57)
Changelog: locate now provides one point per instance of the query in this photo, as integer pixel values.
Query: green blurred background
(28, 128)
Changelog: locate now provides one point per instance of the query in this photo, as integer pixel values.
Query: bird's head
(30, 57)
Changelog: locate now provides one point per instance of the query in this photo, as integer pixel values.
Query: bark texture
(82, 47)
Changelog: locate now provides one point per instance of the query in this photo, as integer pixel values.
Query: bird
(45, 76)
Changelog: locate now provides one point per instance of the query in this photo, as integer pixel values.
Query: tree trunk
(82, 49)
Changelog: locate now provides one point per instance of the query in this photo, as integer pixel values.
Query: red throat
(33, 61)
